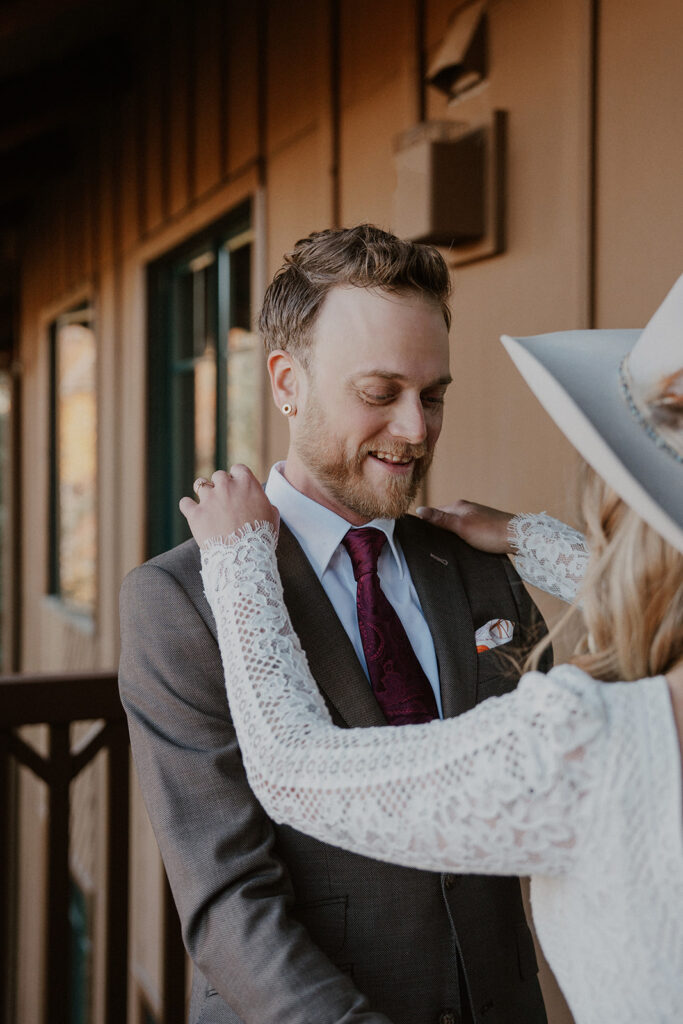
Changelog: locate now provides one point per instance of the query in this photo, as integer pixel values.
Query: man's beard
(342, 475)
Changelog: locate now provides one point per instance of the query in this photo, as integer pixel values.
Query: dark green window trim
(170, 425)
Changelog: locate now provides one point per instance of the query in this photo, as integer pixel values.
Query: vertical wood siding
(304, 100)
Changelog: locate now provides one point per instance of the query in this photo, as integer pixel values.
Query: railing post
(117, 874)
(4, 877)
(57, 931)
(57, 701)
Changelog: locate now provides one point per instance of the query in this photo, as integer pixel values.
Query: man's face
(370, 408)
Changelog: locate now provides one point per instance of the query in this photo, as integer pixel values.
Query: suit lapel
(330, 653)
(437, 580)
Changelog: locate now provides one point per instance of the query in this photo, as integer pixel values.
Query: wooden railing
(57, 701)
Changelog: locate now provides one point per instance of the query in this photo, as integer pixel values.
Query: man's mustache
(401, 451)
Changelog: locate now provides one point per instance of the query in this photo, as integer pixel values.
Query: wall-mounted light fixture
(450, 187)
(462, 58)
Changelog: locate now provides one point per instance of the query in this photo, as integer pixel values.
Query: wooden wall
(296, 104)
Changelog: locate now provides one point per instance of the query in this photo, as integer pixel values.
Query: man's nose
(408, 421)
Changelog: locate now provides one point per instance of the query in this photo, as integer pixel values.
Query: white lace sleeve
(503, 789)
(549, 554)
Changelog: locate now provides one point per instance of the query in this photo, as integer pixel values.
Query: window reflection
(206, 369)
(205, 377)
(244, 397)
(202, 316)
(244, 371)
(74, 511)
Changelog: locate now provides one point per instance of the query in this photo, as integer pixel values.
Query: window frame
(80, 311)
(221, 237)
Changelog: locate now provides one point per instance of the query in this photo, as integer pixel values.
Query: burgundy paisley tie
(402, 689)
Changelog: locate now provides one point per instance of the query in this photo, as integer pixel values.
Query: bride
(575, 777)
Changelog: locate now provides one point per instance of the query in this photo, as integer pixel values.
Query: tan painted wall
(497, 440)
(640, 159)
(255, 117)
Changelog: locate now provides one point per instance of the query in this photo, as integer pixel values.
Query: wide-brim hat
(617, 395)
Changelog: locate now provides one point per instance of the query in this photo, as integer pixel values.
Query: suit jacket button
(448, 1017)
(449, 881)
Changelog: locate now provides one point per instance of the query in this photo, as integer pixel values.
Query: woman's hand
(482, 527)
(226, 503)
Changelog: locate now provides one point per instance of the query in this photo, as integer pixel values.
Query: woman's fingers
(479, 525)
(187, 506)
(200, 482)
(450, 517)
(237, 472)
(225, 503)
(431, 515)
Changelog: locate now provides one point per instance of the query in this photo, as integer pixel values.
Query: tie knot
(364, 546)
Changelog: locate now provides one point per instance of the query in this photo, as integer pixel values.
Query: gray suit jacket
(283, 929)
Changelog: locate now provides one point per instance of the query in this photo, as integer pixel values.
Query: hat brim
(575, 377)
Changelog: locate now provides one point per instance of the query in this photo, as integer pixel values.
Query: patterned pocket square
(493, 634)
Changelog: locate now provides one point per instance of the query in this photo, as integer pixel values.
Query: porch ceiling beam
(25, 167)
(29, 16)
(62, 90)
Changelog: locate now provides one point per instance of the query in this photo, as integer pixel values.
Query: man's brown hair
(363, 256)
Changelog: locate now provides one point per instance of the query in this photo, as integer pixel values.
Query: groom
(283, 929)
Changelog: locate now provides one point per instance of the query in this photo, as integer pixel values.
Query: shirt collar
(318, 530)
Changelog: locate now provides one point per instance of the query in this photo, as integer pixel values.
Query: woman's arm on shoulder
(502, 789)
(547, 553)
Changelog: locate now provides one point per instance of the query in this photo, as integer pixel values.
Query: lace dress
(573, 782)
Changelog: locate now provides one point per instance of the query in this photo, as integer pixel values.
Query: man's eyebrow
(388, 375)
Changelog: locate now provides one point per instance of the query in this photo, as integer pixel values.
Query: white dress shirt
(320, 532)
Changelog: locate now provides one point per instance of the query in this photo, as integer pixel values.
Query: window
(80, 920)
(205, 370)
(245, 365)
(73, 462)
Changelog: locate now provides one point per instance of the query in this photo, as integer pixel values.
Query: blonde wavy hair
(632, 594)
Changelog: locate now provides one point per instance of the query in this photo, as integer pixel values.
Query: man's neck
(298, 475)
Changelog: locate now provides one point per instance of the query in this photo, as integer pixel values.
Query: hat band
(667, 439)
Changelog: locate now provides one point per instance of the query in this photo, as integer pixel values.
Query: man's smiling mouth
(396, 460)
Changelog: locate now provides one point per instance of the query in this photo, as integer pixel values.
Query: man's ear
(285, 379)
